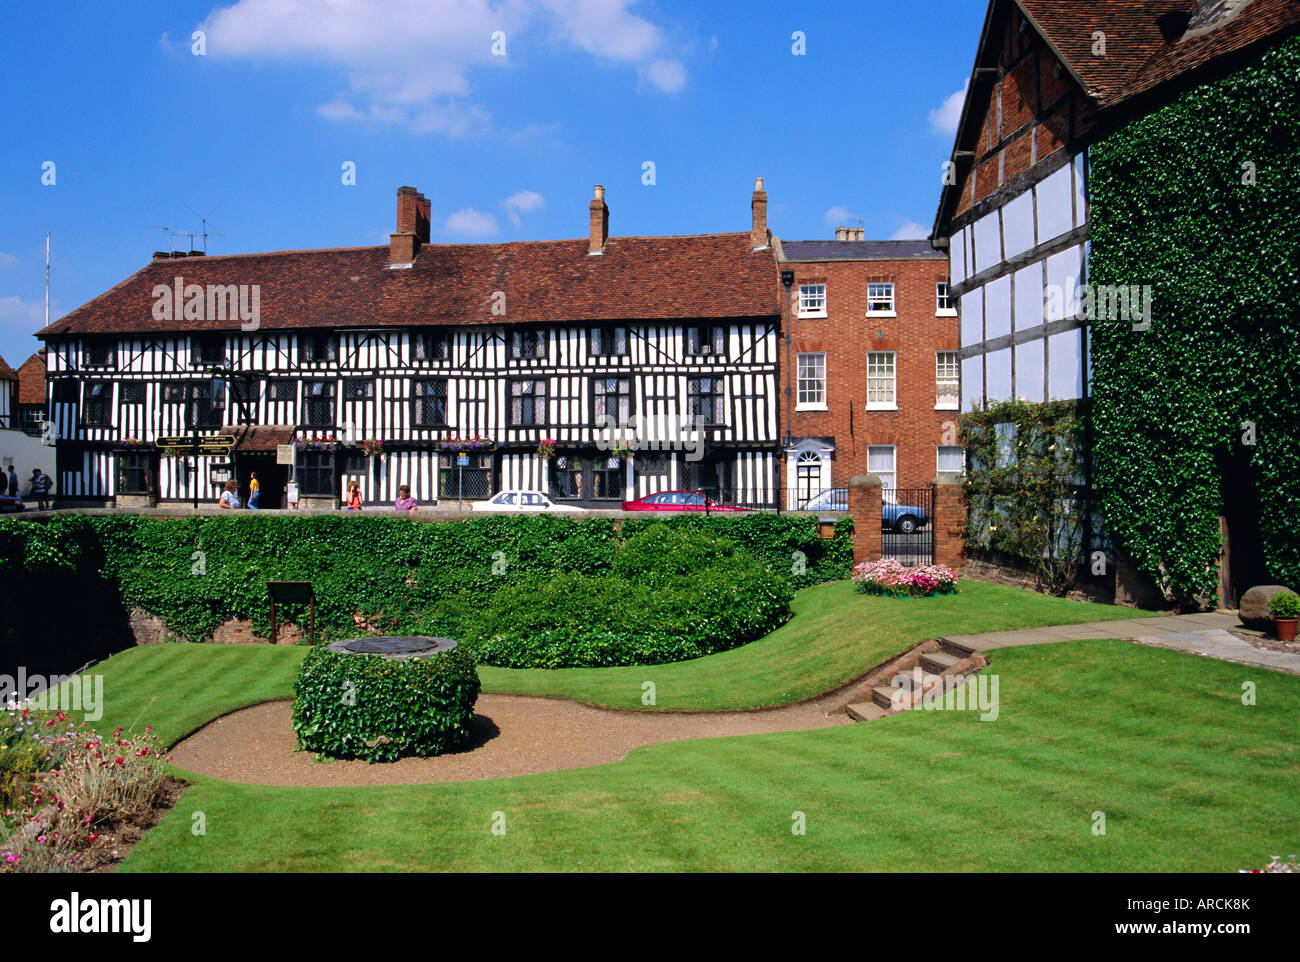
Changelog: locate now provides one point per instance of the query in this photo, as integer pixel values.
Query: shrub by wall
(380, 709)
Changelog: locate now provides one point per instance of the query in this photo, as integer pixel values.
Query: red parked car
(677, 501)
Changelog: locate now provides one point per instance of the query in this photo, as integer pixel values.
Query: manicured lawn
(178, 688)
(834, 635)
(1189, 779)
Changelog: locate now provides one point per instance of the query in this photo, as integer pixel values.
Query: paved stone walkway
(1201, 634)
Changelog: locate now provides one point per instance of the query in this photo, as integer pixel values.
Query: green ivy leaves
(1174, 204)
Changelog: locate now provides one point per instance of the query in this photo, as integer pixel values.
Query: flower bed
(895, 580)
(83, 790)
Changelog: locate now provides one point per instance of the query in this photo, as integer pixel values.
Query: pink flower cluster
(466, 443)
(890, 577)
(1276, 866)
(89, 764)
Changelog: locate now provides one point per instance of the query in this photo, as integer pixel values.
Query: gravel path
(512, 735)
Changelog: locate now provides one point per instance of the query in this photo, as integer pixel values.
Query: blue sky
(507, 147)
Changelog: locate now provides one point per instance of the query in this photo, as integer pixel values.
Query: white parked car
(517, 500)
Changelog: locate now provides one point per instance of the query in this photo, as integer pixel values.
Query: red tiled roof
(31, 380)
(1138, 58)
(6, 372)
(636, 278)
(1138, 61)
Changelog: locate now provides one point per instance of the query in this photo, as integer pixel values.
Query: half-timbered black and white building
(597, 370)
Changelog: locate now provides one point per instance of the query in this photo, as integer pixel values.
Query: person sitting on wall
(354, 496)
(229, 497)
(404, 500)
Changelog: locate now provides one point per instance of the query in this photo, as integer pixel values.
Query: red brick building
(870, 371)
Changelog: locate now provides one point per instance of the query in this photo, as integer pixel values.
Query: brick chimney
(599, 222)
(758, 232)
(413, 213)
(841, 233)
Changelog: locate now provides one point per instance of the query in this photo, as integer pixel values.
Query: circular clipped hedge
(668, 594)
(381, 709)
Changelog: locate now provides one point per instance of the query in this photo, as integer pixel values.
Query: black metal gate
(907, 524)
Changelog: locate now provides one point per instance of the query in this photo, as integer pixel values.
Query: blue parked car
(903, 518)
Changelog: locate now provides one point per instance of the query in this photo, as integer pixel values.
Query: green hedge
(196, 573)
(1199, 200)
(381, 709)
(670, 595)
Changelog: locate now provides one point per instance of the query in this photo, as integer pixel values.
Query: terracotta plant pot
(1284, 628)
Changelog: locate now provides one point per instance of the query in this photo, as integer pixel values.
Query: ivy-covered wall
(1201, 200)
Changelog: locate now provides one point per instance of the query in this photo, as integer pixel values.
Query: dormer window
(99, 353)
(526, 345)
(315, 348)
(704, 340)
(431, 345)
(607, 341)
(208, 349)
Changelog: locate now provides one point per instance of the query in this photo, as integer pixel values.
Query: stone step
(883, 696)
(937, 662)
(956, 647)
(865, 711)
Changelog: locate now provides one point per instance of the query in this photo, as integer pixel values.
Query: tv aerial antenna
(167, 231)
(204, 221)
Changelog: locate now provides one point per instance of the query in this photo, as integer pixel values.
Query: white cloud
(456, 121)
(910, 230)
(410, 62)
(522, 202)
(945, 117)
(20, 315)
(838, 216)
(7, 259)
(666, 75)
(469, 222)
(604, 28)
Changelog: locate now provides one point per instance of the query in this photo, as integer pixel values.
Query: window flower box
(468, 443)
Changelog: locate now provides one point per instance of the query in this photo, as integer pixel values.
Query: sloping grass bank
(833, 636)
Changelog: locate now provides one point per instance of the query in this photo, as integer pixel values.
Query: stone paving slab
(1128, 627)
(1216, 643)
(1077, 632)
(1014, 639)
(1201, 634)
